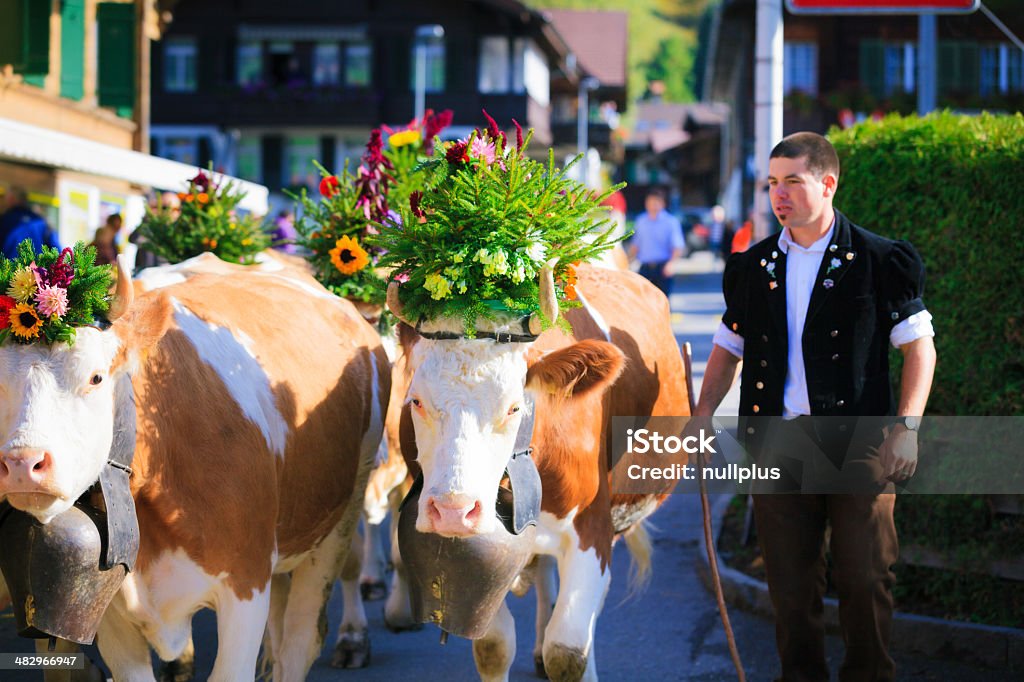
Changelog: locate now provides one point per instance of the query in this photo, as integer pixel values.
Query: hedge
(953, 185)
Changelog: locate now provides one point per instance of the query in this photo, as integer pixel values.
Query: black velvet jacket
(865, 286)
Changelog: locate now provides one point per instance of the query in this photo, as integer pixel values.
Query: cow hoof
(374, 590)
(352, 650)
(564, 664)
(177, 671)
(538, 667)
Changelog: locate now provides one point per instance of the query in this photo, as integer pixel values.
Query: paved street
(671, 631)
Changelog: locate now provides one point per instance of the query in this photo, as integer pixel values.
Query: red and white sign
(882, 6)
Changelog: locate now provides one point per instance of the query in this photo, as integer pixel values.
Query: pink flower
(402, 277)
(52, 301)
(483, 150)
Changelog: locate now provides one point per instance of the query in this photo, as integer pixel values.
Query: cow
(260, 400)
(464, 406)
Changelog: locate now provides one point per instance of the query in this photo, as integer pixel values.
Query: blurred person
(741, 240)
(718, 231)
(283, 236)
(657, 241)
(105, 240)
(20, 222)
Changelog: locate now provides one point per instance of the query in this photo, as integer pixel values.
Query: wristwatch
(909, 423)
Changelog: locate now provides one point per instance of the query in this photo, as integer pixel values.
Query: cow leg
(374, 565)
(280, 585)
(495, 651)
(304, 625)
(124, 649)
(240, 627)
(569, 638)
(398, 607)
(353, 647)
(546, 585)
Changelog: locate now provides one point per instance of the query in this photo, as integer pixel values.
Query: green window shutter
(72, 49)
(10, 33)
(36, 14)
(872, 66)
(116, 28)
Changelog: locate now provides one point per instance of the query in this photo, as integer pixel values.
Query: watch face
(911, 423)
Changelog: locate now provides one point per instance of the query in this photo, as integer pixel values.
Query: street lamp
(583, 120)
(424, 34)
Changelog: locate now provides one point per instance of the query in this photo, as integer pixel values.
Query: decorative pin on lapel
(828, 284)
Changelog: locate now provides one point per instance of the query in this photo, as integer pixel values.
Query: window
(181, 149)
(1000, 69)
(433, 61)
(495, 66)
(180, 65)
(358, 66)
(800, 72)
(250, 63)
(283, 63)
(536, 75)
(900, 62)
(250, 158)
(518, 65)
(326, 64)
(299, 154)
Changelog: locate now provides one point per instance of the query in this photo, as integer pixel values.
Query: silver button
(834, 333)
(835, 357)
(833, 248)
(764, 363)
(895, 316)
(840, 403)
(842, 427)
(750, 429)
(760, 385)
(764, 337)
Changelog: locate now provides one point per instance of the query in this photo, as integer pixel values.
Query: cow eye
(416, 403)
(512, 410)
(96, 379)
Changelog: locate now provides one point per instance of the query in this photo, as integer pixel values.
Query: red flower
(492, 126)
(414, 204)
(519, 134)
(201, 181)
(432, 126)
(6, 303)
(457, 153)
(329, 186)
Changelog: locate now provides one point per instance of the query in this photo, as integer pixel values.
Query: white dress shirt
(802, 267)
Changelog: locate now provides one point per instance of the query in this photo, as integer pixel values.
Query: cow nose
(25, 466)
(454, 515)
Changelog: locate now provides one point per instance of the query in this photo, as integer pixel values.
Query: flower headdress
(45, 296)
(475, 241)
(207, 221)
(353, 205)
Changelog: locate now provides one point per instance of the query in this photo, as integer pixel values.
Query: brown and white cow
(465, 403)
(260, 401)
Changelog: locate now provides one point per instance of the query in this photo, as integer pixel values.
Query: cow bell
(460, 583)
(53, 572)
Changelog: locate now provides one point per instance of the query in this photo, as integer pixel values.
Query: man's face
(654, 204)
(798, 197)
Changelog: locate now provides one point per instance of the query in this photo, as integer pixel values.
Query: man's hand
(699, 427)
(898, 453)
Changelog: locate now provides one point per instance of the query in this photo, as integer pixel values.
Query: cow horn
(124, 294)
(548, 300)
(394, 304)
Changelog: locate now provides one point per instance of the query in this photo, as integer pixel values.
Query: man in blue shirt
(20, 222)
(657, 241)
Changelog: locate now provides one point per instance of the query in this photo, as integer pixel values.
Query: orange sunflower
(348, 256)
(24, 321)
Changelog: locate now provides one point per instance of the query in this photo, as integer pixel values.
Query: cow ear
(577, 370)
(142, 327)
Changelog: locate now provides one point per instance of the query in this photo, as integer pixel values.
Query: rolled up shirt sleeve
(729, 340)
(917, 326)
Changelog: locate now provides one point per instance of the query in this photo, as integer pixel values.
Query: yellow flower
(348, 256)
(23, 286)
(24, 321)
(403, 138)
(438, 286)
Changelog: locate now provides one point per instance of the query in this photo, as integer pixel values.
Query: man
(810, 314)
(657, 241)
(20, 222)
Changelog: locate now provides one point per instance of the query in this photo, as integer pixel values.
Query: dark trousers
(791, 530)
(654, 272)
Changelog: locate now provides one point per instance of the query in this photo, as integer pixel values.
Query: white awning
(31, 144)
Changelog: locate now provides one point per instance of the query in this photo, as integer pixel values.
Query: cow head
(57, 404)
(467, 398)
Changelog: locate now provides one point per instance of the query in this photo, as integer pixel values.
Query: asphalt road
(670, 631)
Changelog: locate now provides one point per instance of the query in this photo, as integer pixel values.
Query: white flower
(536, 252)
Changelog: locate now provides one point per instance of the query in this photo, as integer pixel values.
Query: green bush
(953, 186)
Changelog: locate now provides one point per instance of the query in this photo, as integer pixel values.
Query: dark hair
(821, 155)
(657, 193)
